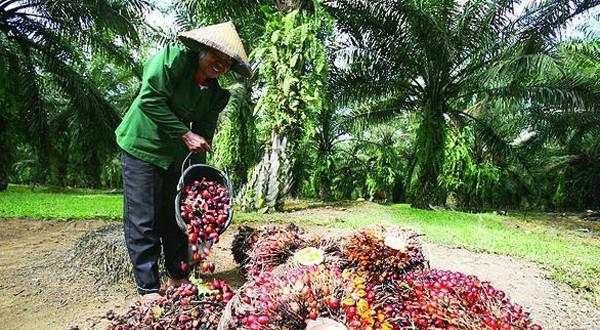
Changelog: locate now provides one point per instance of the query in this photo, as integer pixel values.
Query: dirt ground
(38, 289)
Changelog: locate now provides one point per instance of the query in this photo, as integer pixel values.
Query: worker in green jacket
(174, 113)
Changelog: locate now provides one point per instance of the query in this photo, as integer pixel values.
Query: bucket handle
(188, 157)
(188, 160)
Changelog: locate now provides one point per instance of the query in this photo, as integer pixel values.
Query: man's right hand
(195, 142)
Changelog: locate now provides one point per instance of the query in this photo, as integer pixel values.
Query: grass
(556, 243)
(43, 203)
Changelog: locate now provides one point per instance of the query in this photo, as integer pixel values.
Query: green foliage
(372, 164)
(9, 133)
(112, 173)
(60, 111)
(290, 85)
(234, 144)
(579, 178)
(429, 145)
(441, 58)
(473, 181)
(405, 100)
(573, 138)
(293, 68)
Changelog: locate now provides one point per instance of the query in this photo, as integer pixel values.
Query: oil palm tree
(566, 144)
(45, 44)
(269, 27)
(446, 59)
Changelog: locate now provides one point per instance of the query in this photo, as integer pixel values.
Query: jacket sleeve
(206, 128)
(158, 81)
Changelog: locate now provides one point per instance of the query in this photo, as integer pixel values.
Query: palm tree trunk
(271, 178)
(324, 170)
(247, 139)
(38, 130)
(431, 136)
(7, 147)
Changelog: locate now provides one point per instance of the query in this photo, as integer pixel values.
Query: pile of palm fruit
(375, 278)
(370, 279)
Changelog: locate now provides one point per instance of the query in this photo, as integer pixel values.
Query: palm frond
(33, 108)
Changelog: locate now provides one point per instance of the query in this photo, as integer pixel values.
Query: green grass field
(572, 256)
(44, 203)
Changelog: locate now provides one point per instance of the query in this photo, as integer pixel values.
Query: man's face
(213, 64)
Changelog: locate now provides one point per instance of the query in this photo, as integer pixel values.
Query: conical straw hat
(222, 37)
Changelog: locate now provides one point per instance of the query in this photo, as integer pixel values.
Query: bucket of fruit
(203, 206)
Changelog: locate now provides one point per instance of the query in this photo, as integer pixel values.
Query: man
(179, 87)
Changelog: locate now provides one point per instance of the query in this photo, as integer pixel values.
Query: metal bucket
(191, 173)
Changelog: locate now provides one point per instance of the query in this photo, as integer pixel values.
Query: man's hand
(195, 142)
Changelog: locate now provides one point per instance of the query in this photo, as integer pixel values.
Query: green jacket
(168, 101)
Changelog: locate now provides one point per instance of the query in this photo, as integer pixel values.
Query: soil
(38, 289)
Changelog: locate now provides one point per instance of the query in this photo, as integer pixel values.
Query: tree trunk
(271, 178)
(430, 141)
(325, 187)
(37, 121)
(246, 141)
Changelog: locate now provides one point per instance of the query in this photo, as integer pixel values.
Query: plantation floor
(565, 245)
(38, 289)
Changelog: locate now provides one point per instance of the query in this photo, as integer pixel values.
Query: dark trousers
(149, 221)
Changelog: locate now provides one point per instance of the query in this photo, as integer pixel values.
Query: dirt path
(36, 291)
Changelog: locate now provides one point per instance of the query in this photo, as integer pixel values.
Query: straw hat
(222, 37)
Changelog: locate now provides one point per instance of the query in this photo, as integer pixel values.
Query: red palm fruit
(227, 296)
(452, 300)
(333, 303)
(184, 267)
(263, 319)
(204, 267)
(193, 238)
(209, 229)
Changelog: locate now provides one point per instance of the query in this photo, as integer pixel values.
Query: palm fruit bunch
(359, 302)
(266, 248)
(316, 250)
(185, 307)
(287, 298)
(330, 245)
(242, 242)
(273, 247)
(244, 239)
(448, 300)
(384, 254)
(292, 297)
(205, 208)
